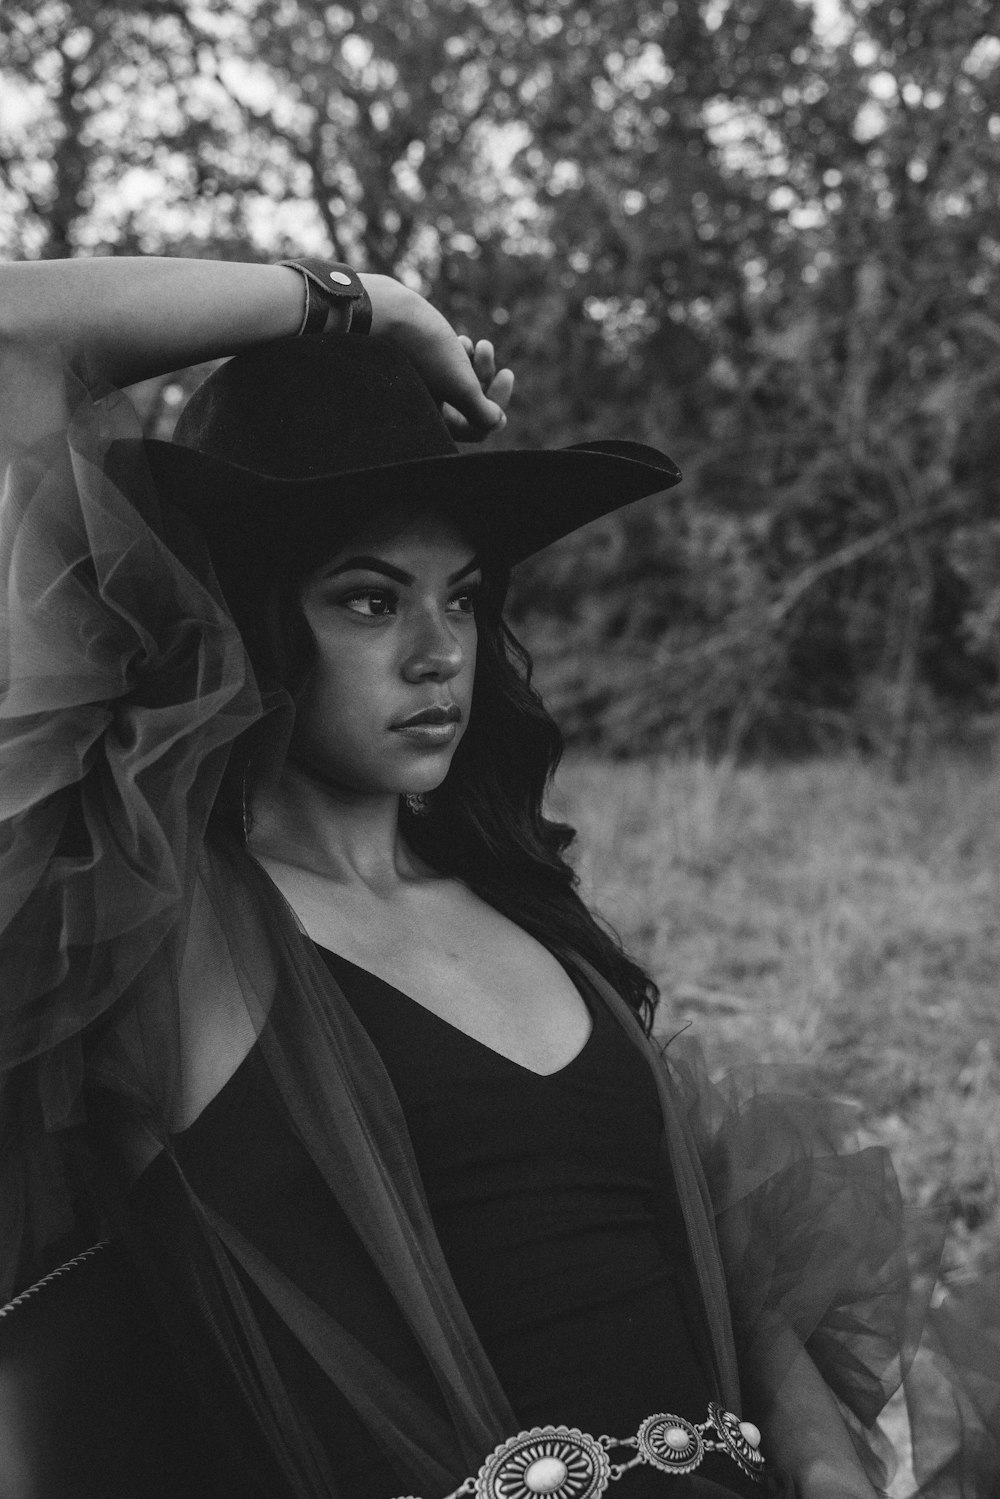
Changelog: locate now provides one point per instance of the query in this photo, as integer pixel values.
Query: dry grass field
(821, 913)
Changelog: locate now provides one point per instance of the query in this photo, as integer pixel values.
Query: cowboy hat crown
(303, 437)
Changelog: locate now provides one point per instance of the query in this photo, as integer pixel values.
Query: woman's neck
(349, 836)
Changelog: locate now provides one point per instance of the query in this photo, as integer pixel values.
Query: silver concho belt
(564, 1463)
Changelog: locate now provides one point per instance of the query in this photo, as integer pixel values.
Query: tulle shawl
(125, 686)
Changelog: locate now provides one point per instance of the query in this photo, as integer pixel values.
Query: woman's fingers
(497, 386)
(484, 362)
(452, 366)
(462, 430)
(471, 415)
(501, 388)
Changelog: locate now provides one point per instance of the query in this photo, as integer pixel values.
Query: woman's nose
(436, 653)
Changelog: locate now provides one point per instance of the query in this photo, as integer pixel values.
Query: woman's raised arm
(134, 317)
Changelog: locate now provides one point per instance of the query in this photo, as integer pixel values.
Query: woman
(300, 1000)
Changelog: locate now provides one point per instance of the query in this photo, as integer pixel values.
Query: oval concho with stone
(670, 1443)
(740, 1439)
(556, 1461)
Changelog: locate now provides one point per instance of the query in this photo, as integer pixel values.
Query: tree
(719, 227)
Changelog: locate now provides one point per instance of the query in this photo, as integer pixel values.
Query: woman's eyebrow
(371, 565)
(473, 565)
(388, 570)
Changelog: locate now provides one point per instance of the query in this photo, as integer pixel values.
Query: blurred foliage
(760, 233)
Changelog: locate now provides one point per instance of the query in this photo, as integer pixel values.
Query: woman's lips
(428, 734)
(431, 727)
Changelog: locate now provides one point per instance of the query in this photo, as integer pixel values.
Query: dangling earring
(247, 821)
(417, 803)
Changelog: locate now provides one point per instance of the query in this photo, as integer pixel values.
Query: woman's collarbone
(454, 955)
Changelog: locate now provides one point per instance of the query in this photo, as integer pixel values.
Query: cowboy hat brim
(513, 503)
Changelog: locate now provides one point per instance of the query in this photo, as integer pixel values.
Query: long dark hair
(486, 823)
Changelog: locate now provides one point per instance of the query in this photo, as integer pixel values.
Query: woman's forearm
(803, 1430)
(805, 1435)
(132, 317)
(135, 317)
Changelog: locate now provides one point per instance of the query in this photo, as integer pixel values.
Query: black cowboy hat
(288, 446)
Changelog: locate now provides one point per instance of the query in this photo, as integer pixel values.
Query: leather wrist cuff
(329, 283)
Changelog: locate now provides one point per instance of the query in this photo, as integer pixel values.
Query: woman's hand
(463, 377)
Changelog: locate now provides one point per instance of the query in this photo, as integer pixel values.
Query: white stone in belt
(677, 1438)
(545, 1475)
(750, 1432)
(340, 278)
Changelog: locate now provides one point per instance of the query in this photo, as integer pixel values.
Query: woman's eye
(464, 603)
(372, 602)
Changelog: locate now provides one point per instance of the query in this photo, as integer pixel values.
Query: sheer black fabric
(546, 1197)
(953, 1394)
(124, 687)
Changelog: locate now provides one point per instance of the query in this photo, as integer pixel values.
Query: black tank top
(547, 1196)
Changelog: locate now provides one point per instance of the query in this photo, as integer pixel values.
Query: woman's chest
(459, 958)
(502, 989)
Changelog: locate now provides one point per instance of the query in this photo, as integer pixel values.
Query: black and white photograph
(500, 749)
